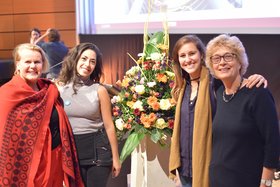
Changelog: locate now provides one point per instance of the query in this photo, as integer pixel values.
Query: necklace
(86, 81)
(232, 95)
(195, 79)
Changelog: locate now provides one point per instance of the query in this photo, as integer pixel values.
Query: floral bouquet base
(149, 165)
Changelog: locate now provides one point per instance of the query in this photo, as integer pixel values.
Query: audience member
(88, 107)
(36, 141)
(55, 50)
(35, 34)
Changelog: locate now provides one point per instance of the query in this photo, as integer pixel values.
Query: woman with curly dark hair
(87, 104)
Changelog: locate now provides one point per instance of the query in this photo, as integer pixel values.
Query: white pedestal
(149, 165)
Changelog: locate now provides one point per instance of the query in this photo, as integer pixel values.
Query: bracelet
(266, 182)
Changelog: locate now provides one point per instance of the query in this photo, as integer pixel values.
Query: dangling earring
(16, 72)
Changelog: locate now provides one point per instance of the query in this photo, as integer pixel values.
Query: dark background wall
(263, 52)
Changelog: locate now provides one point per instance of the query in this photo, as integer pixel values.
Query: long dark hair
(69, 72)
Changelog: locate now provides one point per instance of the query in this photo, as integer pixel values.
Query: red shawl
(24, 121)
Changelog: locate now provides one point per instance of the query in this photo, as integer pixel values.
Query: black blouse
(54, 127)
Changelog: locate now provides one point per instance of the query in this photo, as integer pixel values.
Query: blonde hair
(32, 47)
(232, 43)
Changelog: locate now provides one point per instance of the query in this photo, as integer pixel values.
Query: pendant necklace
(232, 95)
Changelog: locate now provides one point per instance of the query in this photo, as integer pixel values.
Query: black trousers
(95, 176)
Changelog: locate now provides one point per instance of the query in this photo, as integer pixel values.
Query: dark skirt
(94, 149)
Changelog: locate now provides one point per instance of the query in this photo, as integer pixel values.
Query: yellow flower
(130, 104)
(125, 82)
(160, 123)
(163, 47)
(165, 104)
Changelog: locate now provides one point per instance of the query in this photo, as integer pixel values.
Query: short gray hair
(231, 42)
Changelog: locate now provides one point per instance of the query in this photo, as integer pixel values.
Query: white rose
(164, 104)
(151, 84)
(115, 99)
(140, 89)
(156, 56)
(138, 104)
(119, 124)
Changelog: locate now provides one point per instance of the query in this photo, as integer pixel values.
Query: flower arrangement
(144, 105)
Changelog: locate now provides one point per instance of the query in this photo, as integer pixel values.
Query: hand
(256, 80)
(116, 168)
(48, 30)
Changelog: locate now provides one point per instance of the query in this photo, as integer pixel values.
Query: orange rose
(161, 77)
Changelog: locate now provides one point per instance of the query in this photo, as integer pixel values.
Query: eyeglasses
(228, 57)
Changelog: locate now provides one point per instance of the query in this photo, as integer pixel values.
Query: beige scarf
(202, 135)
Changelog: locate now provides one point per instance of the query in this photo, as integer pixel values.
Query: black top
(56, 51)
(245, 138)
(186, 132)
(54, 127)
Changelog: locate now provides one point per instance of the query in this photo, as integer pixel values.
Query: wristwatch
(266, 182)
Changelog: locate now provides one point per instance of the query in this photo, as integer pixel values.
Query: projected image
(179, 5)
(193, 16)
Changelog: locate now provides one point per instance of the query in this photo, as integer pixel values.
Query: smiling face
(226, 71)
(30, 65)
(190, 59)
(86, 64)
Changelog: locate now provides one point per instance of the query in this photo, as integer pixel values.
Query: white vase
(149, 165)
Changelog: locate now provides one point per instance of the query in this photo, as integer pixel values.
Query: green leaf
(154, 40)
(155, 136)
(131, 143)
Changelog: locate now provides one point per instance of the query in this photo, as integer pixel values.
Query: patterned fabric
(24, 117)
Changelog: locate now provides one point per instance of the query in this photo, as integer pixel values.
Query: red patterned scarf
(24, 121)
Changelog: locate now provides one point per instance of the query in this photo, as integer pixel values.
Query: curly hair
(69, 72)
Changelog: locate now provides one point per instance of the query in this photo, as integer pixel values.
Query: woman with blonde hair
(246, 141)
(36, 142)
